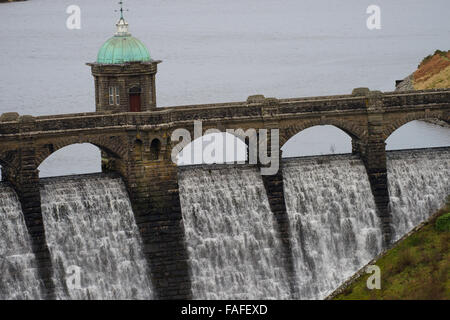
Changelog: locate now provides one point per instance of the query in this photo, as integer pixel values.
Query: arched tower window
(114, 96)
(155, 148)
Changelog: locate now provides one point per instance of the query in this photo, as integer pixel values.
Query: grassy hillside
(418, 267)
(433, 72)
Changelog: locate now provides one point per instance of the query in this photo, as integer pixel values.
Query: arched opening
(71, 160)
(213, 148)
(135, 99)
(419, 134)
(318, 140)
(138, 150)
(155, 148)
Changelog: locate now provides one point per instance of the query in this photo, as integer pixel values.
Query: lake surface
(216, 51)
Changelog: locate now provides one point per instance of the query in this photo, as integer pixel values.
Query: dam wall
(239, 235)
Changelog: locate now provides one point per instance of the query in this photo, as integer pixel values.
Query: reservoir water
(216, 51)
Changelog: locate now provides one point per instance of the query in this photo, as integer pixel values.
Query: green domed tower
(124, 74)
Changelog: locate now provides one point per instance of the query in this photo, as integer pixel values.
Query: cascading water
(334, 226)
(18, 274)
(90, 225)
(234, 251)
(418, 185)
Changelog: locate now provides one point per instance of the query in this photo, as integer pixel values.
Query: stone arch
(396, 124)
(176, 148)
(135, 89)
(113, 146)
(155, 149)
(354, 131)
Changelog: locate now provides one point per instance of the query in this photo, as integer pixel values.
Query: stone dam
(238, 245)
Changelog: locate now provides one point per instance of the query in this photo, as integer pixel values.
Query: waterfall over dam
(90, 225)
(418, 185)
(335, 228)
(233, 247)
(231, 235)
(18, 275)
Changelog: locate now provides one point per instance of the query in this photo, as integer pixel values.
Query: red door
(135, 102)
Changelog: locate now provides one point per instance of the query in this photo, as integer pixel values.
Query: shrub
(443, 222)
(441, 53)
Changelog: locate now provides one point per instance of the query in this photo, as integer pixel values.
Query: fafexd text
(245, 309)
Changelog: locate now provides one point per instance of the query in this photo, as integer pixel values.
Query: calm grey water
(219, 51)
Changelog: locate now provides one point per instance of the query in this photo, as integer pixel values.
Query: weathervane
(121, 9)
(122, 25)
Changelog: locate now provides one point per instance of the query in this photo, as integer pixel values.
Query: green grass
(416, 268)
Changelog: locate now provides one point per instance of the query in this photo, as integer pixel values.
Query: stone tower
(124, 74)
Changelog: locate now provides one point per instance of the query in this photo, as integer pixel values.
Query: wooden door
(135, 103)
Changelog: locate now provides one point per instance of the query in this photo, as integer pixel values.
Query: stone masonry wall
(125, 138)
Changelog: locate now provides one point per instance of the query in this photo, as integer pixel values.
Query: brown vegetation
(433, 71)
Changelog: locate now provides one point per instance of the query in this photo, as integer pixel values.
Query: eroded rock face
(432, 73)
(406, 84)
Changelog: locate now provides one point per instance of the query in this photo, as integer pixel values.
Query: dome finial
(121, 9)
(122, 25)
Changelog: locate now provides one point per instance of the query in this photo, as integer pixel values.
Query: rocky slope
(432, 73)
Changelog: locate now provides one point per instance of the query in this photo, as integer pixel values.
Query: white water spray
(18, 274)
(335, 229)
(90, 224)
(234, 251)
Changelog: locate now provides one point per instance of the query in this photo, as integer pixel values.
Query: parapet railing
(254, 108)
